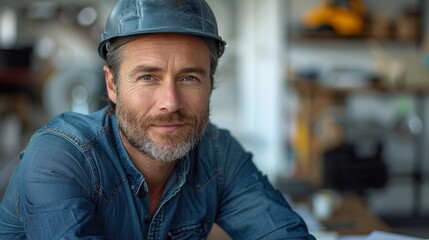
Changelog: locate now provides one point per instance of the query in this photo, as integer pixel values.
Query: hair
(115, 55)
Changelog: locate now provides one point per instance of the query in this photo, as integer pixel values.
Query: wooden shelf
(352, 41)
(304, 86)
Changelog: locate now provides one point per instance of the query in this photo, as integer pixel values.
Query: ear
(110, 84)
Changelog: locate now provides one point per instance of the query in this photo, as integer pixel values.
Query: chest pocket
(191, 232)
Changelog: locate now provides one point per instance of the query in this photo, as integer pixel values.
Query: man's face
(162, 94)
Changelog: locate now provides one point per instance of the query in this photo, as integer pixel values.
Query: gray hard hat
(133, 17)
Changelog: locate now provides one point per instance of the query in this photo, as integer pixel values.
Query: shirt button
(132, 187)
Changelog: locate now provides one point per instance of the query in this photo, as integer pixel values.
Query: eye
(145, 78)
(190, 79)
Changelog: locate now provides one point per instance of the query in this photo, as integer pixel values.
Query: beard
(171, 145)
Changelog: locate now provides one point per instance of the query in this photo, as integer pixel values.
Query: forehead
(167, 43)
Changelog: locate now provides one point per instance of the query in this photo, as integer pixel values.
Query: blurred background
(325, 93)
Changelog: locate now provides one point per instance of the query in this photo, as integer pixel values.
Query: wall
(247, 100)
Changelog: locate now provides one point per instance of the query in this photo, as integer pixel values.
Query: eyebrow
(197, 70)
(142, 68)
(152, 69)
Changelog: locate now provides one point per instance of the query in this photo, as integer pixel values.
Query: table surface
(353, 217)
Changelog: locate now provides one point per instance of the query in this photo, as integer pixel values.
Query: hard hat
(132, 17)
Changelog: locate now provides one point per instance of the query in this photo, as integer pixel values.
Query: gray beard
(162, 153)
(134, 132)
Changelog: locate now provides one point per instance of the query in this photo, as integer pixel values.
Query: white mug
(325, 202)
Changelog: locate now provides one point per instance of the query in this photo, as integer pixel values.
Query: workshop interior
(330, 96)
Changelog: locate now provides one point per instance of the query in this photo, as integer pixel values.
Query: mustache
(168, 118)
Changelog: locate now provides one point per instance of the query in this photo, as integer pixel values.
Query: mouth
(168, 124)
(167, 127)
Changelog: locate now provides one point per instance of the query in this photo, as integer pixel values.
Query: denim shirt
(75, 180)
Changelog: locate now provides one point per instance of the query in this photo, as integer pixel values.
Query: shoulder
(215, 137)
(61, 147)
(78, 129)
(218, 146)
(62, 143)
(222, 140)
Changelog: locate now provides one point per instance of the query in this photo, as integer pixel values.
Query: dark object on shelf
(16, 57)
(15, 70)
(344, 170)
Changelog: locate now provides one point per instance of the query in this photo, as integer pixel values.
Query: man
(151, 166)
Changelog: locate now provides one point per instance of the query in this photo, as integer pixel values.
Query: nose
(169, 97)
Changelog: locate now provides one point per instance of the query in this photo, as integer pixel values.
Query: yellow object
(344, 17)
(301, 140)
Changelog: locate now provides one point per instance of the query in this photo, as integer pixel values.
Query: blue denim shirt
(75, 180)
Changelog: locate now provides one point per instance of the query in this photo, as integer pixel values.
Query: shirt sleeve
(55, 191)
(250, 208)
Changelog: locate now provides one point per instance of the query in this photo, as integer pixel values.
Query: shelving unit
(317, 98)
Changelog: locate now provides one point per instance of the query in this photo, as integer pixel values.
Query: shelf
(352, 41)
(306, 86)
